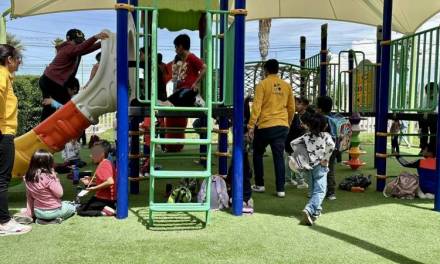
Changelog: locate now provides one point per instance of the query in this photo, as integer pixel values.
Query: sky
(38, 32)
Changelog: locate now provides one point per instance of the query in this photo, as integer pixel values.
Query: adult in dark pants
(324, 105)
(428, 123)
(65, 65)
(9, 62)
(271, 115)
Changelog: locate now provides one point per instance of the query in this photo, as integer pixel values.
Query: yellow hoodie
(8, 103)
(273, 104)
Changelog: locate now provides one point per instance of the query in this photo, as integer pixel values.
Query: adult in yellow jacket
(272, 112)
(9, 62)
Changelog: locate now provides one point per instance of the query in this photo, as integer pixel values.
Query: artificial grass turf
(356, 228)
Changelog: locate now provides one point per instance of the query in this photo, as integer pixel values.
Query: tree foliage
(28, 93)
(12, 40)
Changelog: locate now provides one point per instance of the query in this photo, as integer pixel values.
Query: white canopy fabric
(23, 8)
(408, 15)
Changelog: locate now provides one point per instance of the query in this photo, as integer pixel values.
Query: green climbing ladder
(150, 16)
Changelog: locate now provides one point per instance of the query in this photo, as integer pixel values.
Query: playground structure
(408, 64)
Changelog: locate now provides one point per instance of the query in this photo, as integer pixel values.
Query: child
(395, 129)
(187, 75)
(324, 105)
(103, 203)
(319, 146)
(426, 168)
(72, 86)
(296, 130)
(428, 122)
(70, 155)
(65, 65)
(44, 191)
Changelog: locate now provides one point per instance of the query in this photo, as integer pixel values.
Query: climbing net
(291, 73)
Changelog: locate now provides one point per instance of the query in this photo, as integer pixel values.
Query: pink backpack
(403, 187)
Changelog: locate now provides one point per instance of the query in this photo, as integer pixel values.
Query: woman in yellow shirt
(9, 61)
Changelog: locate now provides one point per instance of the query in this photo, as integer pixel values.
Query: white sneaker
(14, 228)
(430, 196)
(331, 197)
(199, 101)
(281, 194)
(304, 185)
(258, 189)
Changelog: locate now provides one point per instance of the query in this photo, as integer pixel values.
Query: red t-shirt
(104, 171)
(189, 71)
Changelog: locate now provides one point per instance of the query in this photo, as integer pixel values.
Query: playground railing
(414, 74)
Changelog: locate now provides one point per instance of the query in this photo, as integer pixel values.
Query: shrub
(29, 102)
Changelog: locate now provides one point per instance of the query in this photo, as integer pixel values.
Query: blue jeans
(66, 210)
(318, 186)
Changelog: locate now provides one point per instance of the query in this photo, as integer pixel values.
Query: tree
(57, 41)
(29, 102)
(12, 40)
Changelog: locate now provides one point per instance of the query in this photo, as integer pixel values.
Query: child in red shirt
(187, 75)
(103, 203)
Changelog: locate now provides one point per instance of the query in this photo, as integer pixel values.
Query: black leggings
(183, 97)
(51, 89)
(7, 155)
(94, 207)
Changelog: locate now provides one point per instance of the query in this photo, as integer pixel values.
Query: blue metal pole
(122, 111)
(134, 150)
(377, 85)
(223, 122)
(323, 64)
(350, 81)
(383, 93)
(237, 156)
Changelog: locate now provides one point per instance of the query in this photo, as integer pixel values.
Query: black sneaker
(48, 222)
(308, 220)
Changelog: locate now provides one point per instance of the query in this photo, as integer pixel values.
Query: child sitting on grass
(103, 203)
(319, 146)
(70, 155)
(44, 191)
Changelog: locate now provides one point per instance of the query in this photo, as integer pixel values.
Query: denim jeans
(66, 210)
(318, 186)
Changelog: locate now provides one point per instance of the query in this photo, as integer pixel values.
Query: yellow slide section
(25, 146)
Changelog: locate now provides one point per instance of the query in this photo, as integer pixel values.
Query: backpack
(355, 181)
(299, 160)
(340, 129)
(219, 193)
(404, 186)
(180, 195)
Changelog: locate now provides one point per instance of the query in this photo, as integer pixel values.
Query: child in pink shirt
(44, 191)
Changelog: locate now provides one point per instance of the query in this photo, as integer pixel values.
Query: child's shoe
(48, 222)
(307, 220)
(259, 189)
(108, 211)
(303, 185)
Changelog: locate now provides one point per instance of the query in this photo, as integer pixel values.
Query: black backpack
(355, 181)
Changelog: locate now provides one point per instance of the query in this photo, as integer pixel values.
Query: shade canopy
(408, 15)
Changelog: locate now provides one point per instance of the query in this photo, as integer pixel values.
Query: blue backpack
(340, 129)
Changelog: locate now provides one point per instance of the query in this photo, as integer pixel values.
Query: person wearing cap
(65, 65)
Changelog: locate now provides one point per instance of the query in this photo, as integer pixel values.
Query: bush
(29, 102)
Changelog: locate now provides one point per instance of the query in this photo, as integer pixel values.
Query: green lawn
(356, 228)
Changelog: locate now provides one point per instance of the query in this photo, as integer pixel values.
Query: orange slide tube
(52, 134)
